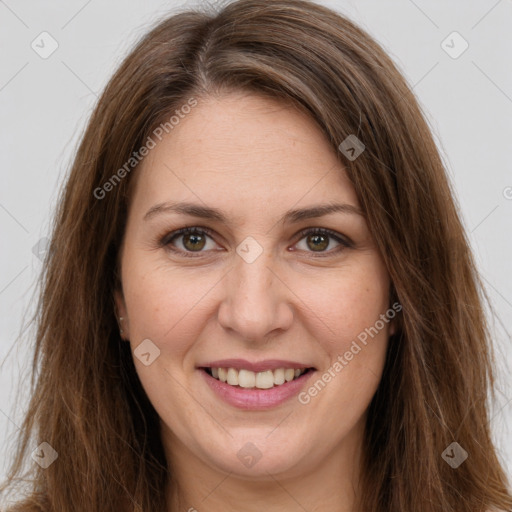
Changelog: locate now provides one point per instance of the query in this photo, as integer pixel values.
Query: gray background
(45, 103)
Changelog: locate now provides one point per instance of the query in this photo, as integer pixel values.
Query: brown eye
(322, 241)
(317, 242)
(194, 241)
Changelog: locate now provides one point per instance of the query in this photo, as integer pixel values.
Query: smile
(260, 380)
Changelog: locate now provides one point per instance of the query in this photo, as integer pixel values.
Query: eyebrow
(205, 212)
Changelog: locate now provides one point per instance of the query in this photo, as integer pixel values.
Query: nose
(256, 300)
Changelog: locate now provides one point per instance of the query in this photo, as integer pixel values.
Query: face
(263, 284)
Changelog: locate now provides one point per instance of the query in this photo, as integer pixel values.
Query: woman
(259, 293)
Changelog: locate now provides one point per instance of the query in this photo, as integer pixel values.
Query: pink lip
(256, 399)
(260, 366)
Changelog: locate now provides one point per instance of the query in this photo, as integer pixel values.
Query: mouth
(255, 386)
(247, 379)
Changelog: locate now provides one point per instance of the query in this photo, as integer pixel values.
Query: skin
(254, 159)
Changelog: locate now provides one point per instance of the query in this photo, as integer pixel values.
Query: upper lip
(257, 366)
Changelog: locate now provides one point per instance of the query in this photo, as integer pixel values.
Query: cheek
(165, 304)
(341, 305)
(354, 337)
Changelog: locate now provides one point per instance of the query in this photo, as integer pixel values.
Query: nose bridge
(254, 302)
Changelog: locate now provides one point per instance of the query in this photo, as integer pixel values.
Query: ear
(395, 323)
(392, 327)
(122, 314)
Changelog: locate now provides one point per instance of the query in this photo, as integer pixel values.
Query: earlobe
(121, 314)
(395, 325)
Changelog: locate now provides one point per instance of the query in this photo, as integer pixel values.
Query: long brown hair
(87, 402)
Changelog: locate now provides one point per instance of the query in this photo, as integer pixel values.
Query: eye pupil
(319, 241)
(197, 241)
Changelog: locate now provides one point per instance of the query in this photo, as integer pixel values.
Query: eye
(190, 240)
(193, 239)
(318, 240)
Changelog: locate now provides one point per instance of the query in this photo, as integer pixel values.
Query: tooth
(223, 374)
(265, 380)
(279, 376)
(232, 377)
(262, 380)
(246, 379)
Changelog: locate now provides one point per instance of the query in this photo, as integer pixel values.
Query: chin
(258, 456)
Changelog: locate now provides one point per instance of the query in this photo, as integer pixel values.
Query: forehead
(243, 149)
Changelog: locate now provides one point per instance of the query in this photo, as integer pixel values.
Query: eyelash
(168, 238)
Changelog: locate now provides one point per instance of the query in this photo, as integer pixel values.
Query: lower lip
(256, 399)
